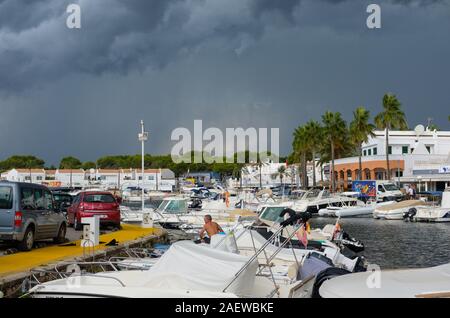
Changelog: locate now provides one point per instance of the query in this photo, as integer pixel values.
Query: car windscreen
(6, 195)
(62, 198)
(390, 187)
(99, 198)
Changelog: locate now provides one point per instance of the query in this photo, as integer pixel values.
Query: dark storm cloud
(249, 63)
(117, 36)
(122, 36)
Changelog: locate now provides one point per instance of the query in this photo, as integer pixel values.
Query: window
(369, 152)
(151, 178)
(48, 200)
(6, 195)
(76, 199)
(39, 178)
(365, 153)
(404, 150)
(27, 201)
(27, 178)
(39, 199)
(390, 150)
(429, 149)
(375, 151)
(99, 198)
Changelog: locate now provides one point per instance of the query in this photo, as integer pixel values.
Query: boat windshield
(311, 194)
(272, 214)
(173, 206)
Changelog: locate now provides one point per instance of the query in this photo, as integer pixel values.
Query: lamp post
(143, 137)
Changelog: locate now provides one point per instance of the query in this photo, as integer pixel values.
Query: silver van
(28, 213)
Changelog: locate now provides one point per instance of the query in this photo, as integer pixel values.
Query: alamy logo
(374, 19)
(212, 145)
(74, 19)
(374, 279)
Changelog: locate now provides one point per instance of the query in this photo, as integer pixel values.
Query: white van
(388, 191)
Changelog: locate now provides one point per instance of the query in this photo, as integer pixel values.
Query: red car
(90, 203)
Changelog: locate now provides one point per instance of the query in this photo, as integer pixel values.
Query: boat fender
(325, 275)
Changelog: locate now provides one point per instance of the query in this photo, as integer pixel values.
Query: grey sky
(249, 63)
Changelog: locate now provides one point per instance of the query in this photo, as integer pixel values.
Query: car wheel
(61, 235)
(77, 226)
(28, 240)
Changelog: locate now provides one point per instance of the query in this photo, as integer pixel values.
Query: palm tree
(335, 133)
(360, 131)
(313, 139)
(300, 146)
(392, 117)
(281, 172)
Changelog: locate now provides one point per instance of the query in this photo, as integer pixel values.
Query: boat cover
(191, 266)
(389, 284)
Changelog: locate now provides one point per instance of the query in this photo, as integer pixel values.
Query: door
(54, 216)
(45, 223)
(6, 209)
(72, 210)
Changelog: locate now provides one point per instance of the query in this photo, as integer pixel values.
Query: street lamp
(142, 137)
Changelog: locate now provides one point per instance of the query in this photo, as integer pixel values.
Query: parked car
(91, 203)
(28, 213)
(63, 201)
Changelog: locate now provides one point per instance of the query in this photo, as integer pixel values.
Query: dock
(15, 268)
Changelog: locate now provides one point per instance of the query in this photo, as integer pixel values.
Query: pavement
(71, 235)
(50, 253)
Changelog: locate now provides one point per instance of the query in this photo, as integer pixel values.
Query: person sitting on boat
(211, 228)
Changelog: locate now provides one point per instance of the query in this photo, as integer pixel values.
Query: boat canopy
(191, 266)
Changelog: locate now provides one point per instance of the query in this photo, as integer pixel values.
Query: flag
(337, 229)
(302, 235)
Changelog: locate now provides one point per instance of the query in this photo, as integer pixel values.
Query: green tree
(88, 165)
(360, 131)
(300, 147)
(392, 117)
(22, 162)
(70, 163)
(336, 136)
(314, 137)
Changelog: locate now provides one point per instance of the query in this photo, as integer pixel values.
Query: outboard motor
(409, 216)
(294, 217)
(351, 243)
(196, 204)
(325, 275)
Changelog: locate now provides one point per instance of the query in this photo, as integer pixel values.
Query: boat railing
(269, 259)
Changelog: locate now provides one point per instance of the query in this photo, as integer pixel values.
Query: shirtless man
(210, 227)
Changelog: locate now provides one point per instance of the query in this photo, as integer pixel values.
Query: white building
(154, 179)
(70, 177)
(421, 157)
(267, 173)
(24, 175)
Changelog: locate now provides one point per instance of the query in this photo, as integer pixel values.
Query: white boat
(185, 270)
(435, 214)
(430, 282)
(396, 210)
(361, 209)
(190, 270)
(173, 213)
(316, 199)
